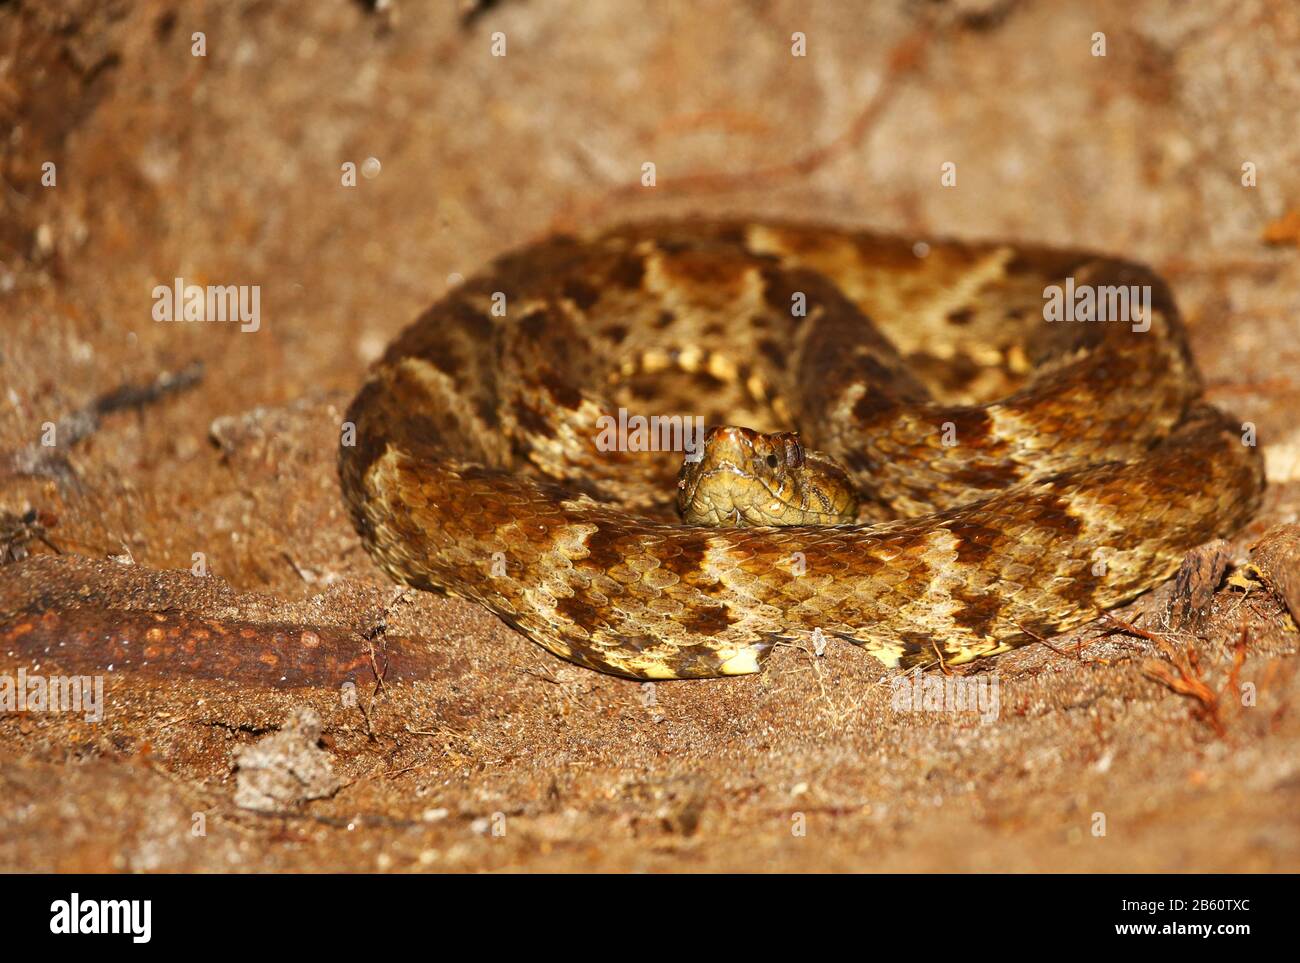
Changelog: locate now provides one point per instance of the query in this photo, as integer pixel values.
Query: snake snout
(740, 476)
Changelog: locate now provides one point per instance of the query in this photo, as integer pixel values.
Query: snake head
(739, 476)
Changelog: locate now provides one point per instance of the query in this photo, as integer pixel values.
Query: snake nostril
(772, 461)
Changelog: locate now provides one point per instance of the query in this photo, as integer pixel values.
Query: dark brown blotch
(564, 393)
(975, 542)
(973, 426)
(775, 353)
(628, 272)
(779, 289)
(470, 319)
(687, 563)
(979, 611)
(873, 404)
(580, 612)
(916, 646)
(605, 551)
(581, 293)
(707, 621)
(485, 407)
(534, 323)
(984, 475)
(1052, 512)
(531, 420)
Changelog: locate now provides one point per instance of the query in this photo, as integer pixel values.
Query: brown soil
(478, 750)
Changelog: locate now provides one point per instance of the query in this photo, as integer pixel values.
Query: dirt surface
(209, 575)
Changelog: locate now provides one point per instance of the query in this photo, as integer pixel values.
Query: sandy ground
(454, 743)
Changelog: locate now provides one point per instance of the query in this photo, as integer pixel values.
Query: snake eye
(772, 461)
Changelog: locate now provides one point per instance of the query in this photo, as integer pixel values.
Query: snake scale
(1014, 475)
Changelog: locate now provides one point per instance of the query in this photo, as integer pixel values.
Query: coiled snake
(1013, 475)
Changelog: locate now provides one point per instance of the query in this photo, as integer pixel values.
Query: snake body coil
(1015, 475)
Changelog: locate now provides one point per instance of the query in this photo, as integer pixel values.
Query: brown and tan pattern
(1014, 476)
